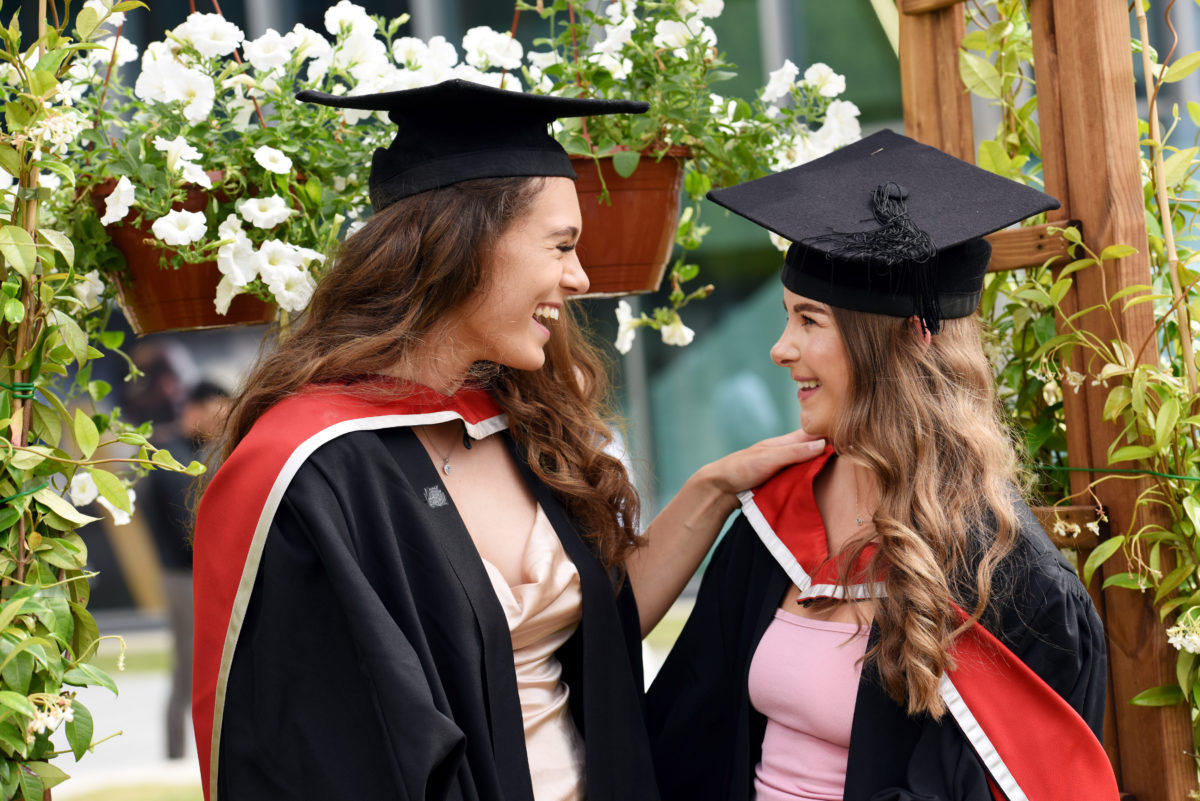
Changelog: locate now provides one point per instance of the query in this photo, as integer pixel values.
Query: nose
(574, 279)
(784, 351)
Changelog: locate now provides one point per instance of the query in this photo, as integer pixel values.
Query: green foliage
(57, 450)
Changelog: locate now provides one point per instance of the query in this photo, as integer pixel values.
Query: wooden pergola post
(1088, 118)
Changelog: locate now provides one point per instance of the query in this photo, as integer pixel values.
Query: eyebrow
(567, 230)
(807, 306)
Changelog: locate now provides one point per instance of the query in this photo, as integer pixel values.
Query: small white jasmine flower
(264, 212)
(1184, 636)
(1073, 379)
(676, 333)
(269, 51)
(1094, 527)
(89, 290)
(626, 327)
(780, 82)
(273, 160)
(83, 488)
(180, 227)
(117, 204)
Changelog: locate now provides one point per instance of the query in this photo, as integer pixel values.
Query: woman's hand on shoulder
(749, 467)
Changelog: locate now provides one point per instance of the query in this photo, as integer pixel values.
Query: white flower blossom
(195, 174)
(176, 149)
(442, 52)
(195, 90)
(541, 60)
(179, 227)
(309, 43)
(350, 19)
(358, 52)
(227, 290)
(701, 8)
(264, 212)
(120, 517)
(211, 34)
(101, 8)
(676, 333)
(126, 51)
(617, 36)
(495, 80)
(840, 127)
(230, 227)
(238, 261)
(58, 129)
(1073, 379)
(158, 64)
(626, 327)
(269, 51)
(280, 266)
(488, 49)
(619, 68)
(410, 52)
(1185, 634)
(794, 150)
(90, 289)
(779, 242)
(780, 82)
(83, 488)
(676, 36)
(117, 204)
(822, 78)
(273, 160)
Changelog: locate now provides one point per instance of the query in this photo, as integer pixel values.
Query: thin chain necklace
(445, 457)
(857, 509)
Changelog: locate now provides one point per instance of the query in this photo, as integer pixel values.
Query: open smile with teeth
(810, 383)
(549, 312)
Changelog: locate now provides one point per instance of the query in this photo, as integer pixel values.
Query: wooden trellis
(1088, 117)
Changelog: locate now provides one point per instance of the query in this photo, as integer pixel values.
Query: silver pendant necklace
(445, 457)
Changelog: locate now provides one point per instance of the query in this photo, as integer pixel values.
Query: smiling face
(812, 350)
(532, 270)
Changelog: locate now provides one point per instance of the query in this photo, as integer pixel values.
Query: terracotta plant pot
(155, 299)
(626, 244)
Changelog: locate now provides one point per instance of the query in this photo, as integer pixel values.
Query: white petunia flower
(158, 65)
(840, 128)
(176, 149)
(281, 270)
(676, 36)
(238, 261)
(264, 212)
(90, 289)
(101, 8)
(269, 51)
(780, 82)
(349, 19)
(241, 110)
(230, 228)
(195, 174)
(309, 43)
(196, 91)
(626, 327)
(541, 60)
(822, 78)
(619, 68)
(488, 49)
(117, 204)
(273, 160)
(676, 333)
(410, 52)
(180, 227)
(226, 292)
(779, 242)
(83, 488)
(701, 8)
(360, 52)
(617, 36)
(126, 51)
(120, 518)
(442, 52)
(211, 34)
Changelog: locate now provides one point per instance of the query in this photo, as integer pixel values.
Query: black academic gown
(707, 737)
(374, 659)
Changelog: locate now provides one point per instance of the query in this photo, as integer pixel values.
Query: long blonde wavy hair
(392, 284)
(924, 420)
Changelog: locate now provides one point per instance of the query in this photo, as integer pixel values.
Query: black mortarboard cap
(458, 130)
(887, 225)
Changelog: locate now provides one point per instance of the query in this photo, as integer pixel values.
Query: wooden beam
(1032, 246)
(1098, 167)
(916, 7)
(937, 108)
(1078, 515)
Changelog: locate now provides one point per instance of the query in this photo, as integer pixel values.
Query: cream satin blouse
(543, 612)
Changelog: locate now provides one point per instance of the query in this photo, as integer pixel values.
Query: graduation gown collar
(991, 694)
(783, 513)
(239, 505)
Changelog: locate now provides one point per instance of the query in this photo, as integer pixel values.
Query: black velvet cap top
(458, 130)
(887, 225)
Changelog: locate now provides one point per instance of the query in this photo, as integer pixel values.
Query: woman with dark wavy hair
(418, 573)
(888, 621)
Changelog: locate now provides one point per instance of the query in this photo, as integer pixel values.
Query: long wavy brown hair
(393, 284)
(926, 422)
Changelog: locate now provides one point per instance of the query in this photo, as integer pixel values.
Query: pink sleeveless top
(543, 612)
(804, 679)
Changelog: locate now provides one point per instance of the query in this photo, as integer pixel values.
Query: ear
(921, 331)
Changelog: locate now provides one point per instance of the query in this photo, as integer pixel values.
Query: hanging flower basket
(627, 241)
(155, 299)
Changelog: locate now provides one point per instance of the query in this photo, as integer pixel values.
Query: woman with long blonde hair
(417, 571)
(888, 621)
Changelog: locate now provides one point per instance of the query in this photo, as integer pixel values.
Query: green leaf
(50, 774)
(60, 242)
(1173, 580)
(87, 436)
(84, 675)
(625, 162)
(56, 504)
(29, 459)
(1117, 252)
(1075, 266)
(31, 783)
(16, 245)
(195, 468)
(1117, 400)
(79, 729)
(10, 159)
(1194, 112)
(8, 516)
(1175, 169)
(1100, 555)
(112, 489)
(1129, 581)
(17, 703)
(1060, 289)
(85, 23)
(1163, 695)
(14, 311)
(979, 75)
(1130, 453)
(1164, 422)
(74, 338)
(1182, 67)
(9, 611)
(87, 633)
(165, 459)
